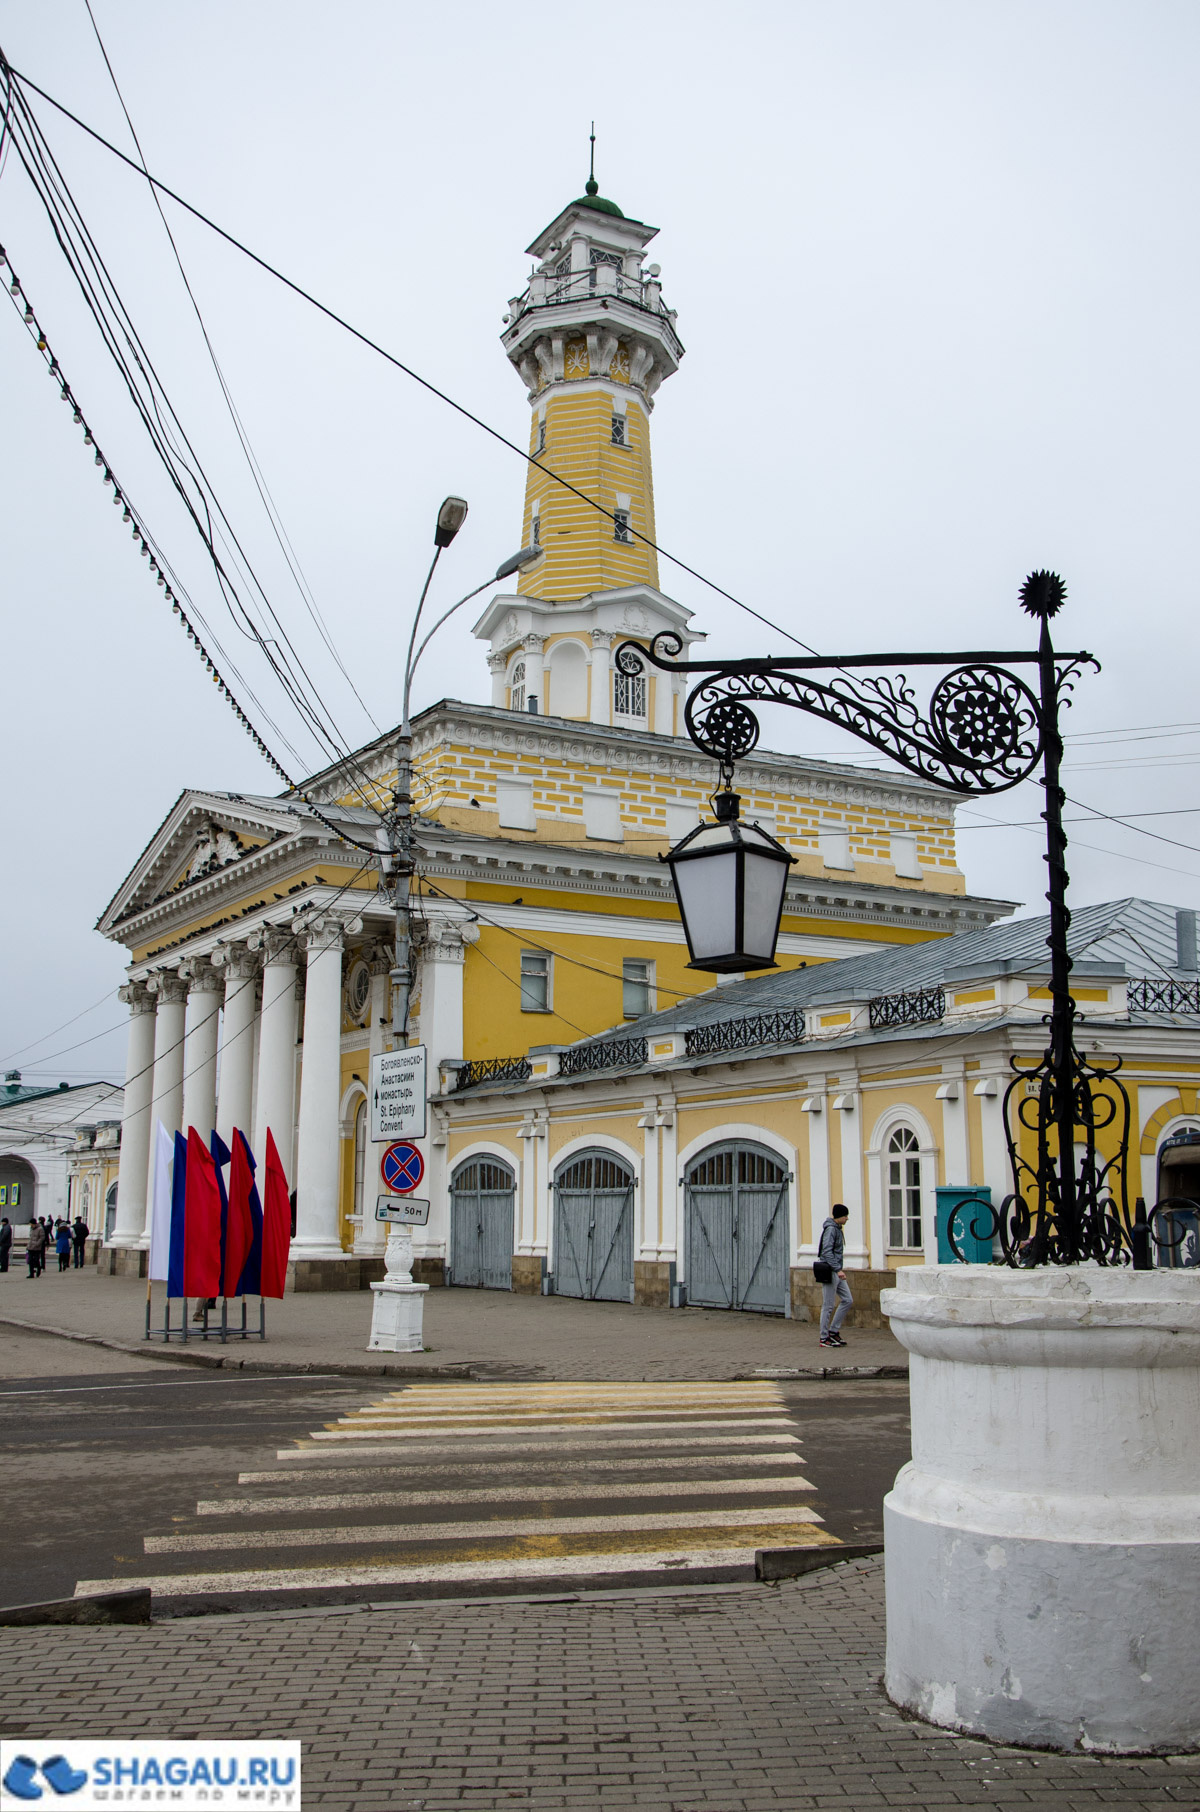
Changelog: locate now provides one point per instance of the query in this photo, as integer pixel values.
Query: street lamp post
(984, 731)
(394, 837)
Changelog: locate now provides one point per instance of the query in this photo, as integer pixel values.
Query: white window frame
(620, 428)
(516, 686)
(902, 1158)
(835, 845)
(633, 686)
(905, 858)
(540, 968)
(682, 817)
(648, 982)
(623, 525)
(514, 802)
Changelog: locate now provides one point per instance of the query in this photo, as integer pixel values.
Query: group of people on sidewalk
(66, 1239)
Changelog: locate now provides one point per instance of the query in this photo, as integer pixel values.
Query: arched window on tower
(629, 694)
(516, 687)
(904, 1191)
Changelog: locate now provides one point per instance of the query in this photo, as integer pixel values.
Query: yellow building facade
(259, 941)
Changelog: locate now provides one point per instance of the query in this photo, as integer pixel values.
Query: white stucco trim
(901, 1114)
(348, 1109)
(1180, 1123)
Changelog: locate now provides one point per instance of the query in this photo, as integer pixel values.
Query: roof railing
(914, 1007)
(750, 1033)
(1147, 994)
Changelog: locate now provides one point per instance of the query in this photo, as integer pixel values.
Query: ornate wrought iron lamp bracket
(983, 731)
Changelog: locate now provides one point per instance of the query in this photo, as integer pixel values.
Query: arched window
(360, 1155)
(904, 1191)
(629, 693)
(516, 696)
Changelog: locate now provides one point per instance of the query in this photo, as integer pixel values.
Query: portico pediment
(203, 835)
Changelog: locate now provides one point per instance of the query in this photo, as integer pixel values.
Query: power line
(374, 346)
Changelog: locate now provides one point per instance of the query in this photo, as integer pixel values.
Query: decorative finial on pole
(593, 187)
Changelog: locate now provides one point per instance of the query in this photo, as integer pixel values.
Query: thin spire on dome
(592, 187)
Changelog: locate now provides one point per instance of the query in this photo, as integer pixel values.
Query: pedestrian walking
(62, 1245)
(35, 1249)
(836, 1300)
(79, 1235)
(6, 1239)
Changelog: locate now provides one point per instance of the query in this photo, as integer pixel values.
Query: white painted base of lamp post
(1043, 1545)
(398, 1306)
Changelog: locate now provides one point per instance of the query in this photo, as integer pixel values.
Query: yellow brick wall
(581, 552)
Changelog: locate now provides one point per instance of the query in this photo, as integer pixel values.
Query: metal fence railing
(746, 1034)
(917, 1007)
(1149, 995)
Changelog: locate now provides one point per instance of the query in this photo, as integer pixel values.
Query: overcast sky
(936, 272)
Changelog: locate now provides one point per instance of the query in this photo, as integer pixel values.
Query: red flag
(277, 1224)
(201, 1222)
(239, 1226)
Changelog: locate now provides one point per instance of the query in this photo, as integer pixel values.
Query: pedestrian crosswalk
(442, 1485)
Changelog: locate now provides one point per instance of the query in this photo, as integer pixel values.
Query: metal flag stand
(221, 1329)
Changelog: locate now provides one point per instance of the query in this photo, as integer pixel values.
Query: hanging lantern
(729, 880)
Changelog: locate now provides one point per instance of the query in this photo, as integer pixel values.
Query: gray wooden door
(736, 1217)
(482, 1202)
(593, 1229)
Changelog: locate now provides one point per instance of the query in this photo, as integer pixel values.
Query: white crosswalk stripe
(508, 1482)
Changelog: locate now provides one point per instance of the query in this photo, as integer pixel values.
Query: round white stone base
(1043, 1546)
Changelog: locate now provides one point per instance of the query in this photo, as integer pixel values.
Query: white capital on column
(318, 1161)
(601, 687)
(240, 971)
(200, 1046)
(135, 1119)
(276, 1104)
(167, 1101)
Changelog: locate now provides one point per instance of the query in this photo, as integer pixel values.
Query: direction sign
(402, 1167)
(398, 1094)
(406, 1210)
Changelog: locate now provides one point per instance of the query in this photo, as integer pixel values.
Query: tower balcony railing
(553, 289)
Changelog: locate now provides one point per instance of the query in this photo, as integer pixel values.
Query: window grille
(535, 982)
(621, 529)
(618, 431)
(537, 531)
(517, 687)
(541, 437)
(629, 693)
(904, 1191)
(636, 979)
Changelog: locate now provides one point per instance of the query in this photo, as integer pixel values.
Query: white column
(275, 1105)
(669, 1201)
(371, 1236)
(533, 671)
(858, 1245)
(820, 1200)
(318, 1160)
(240, 971)
(443, 963)
(200, 1047)
(601, 684)
(664, 702)
(646, 1242)
(136, 1125)
(167, 1101)
(497, 666)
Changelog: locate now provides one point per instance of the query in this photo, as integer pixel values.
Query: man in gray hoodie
(836, 1300)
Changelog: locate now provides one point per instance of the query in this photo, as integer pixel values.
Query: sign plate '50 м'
(398, 1094)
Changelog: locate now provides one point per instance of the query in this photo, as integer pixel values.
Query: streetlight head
(516, 563)
(450, 519)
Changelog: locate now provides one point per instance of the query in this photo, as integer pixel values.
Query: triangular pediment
(203, 835)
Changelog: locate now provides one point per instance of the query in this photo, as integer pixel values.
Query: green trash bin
(976, 1250)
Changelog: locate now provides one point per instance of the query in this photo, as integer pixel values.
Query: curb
(791, 1563)
(226, 1362)
(132, 1606)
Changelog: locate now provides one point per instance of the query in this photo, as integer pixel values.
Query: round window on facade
(358, 989)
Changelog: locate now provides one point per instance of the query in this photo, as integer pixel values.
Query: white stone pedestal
(398, 1308)
(1043, 1545)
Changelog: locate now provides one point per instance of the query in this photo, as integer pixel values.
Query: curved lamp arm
(515, 563)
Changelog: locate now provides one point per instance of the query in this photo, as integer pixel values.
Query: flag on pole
(202, 1242)
(160, 1205)
(239, 1221)
(277, 1225)
(220, 1156)
(178, 1204)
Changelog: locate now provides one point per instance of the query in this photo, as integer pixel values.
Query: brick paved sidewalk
(491, 1331)
(750, 1698)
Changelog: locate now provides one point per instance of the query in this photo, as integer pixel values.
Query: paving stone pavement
(732, 1699)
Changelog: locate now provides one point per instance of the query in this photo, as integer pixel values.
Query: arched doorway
(110, 1212)
(18, 1180)
(483, 1194)
(593, 1228)
(736, 1218)
(1179, 1181)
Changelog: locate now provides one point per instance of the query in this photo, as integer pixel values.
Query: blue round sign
(402, 1167)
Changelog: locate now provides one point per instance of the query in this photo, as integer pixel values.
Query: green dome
(593, 199)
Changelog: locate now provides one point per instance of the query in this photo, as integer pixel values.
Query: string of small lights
(142, 538)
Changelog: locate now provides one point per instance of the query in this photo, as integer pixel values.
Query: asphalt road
(95, 1464)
